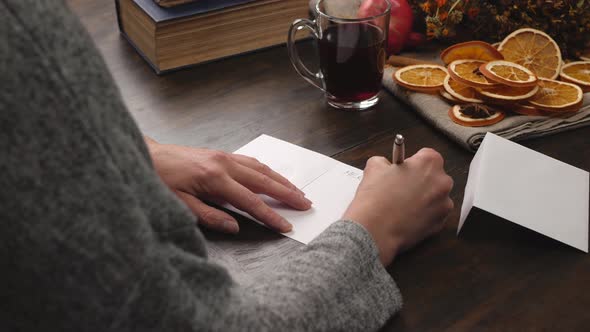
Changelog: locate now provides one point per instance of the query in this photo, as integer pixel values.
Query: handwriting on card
(353, 174)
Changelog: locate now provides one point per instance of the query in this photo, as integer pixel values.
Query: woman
(94, 236)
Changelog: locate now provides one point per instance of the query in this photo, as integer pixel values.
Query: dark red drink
(352, 57)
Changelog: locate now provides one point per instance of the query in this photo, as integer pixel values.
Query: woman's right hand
(400, 205)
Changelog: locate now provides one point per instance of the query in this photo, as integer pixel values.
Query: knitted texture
(92, 240)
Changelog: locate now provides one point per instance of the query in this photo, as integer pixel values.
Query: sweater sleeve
(335, 283)
(91, 240)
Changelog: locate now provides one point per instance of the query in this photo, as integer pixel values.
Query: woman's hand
(400, 205)
(195, 175)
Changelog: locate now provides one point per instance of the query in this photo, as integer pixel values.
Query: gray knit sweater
(92, 240)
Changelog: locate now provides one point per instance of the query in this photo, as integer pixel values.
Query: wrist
(387, 246)
(148, 140)
(153, 146)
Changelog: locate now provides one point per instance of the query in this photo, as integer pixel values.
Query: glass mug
(352, 49)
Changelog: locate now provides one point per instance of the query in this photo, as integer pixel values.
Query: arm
(91, 240)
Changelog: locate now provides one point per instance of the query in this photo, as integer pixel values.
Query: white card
(529, 189)
(328, 183)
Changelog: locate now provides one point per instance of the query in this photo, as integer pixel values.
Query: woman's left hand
(197, 175)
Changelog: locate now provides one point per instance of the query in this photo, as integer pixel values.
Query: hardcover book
(205, 30)
(172, 3)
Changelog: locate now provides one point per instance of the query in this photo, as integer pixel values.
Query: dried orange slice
(534, 50)
(467, 72)
(524, 109)
(472, 50)
(504, 94)
(475, 115)
(508, 73)
(556, 96)
(422, 78)
(448, 97)
(461, 92)
(577, 73)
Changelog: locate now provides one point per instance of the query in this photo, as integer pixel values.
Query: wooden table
(501, 278)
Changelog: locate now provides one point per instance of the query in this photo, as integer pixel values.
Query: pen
(398, 154)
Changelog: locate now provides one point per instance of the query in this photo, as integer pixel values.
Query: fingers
(264, 169)
(245, 200)
(449, 205)
(210, 217)
(263, 184)
(441, 185)
(447, 208)
(429, 155)
(377, 161)
(448, 184)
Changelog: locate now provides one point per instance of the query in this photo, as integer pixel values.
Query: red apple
(415, 39)
(400, 22)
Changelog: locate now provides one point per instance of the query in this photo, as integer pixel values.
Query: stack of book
(205, 30)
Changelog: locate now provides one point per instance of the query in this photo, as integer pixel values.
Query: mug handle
(315, 79)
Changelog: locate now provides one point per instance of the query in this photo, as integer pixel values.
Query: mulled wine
(352, 57)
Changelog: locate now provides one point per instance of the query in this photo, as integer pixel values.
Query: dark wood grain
(500, 278)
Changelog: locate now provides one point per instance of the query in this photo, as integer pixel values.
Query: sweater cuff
(358, 233)
(353, 241)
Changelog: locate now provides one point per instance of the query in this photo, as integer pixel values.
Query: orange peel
(471, 50)
(461, 92)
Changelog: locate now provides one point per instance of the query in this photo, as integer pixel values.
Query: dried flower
(456, 17)
(567, 21)
(425, 7)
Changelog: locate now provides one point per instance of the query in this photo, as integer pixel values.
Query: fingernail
(285, 226)
(306, 200)
(230, 226)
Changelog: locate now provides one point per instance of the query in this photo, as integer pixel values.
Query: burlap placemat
(514, 127)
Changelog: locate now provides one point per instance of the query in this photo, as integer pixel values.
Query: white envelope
(529, 189)
(328, 183)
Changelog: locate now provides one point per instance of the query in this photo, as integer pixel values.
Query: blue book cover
(160, 14)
